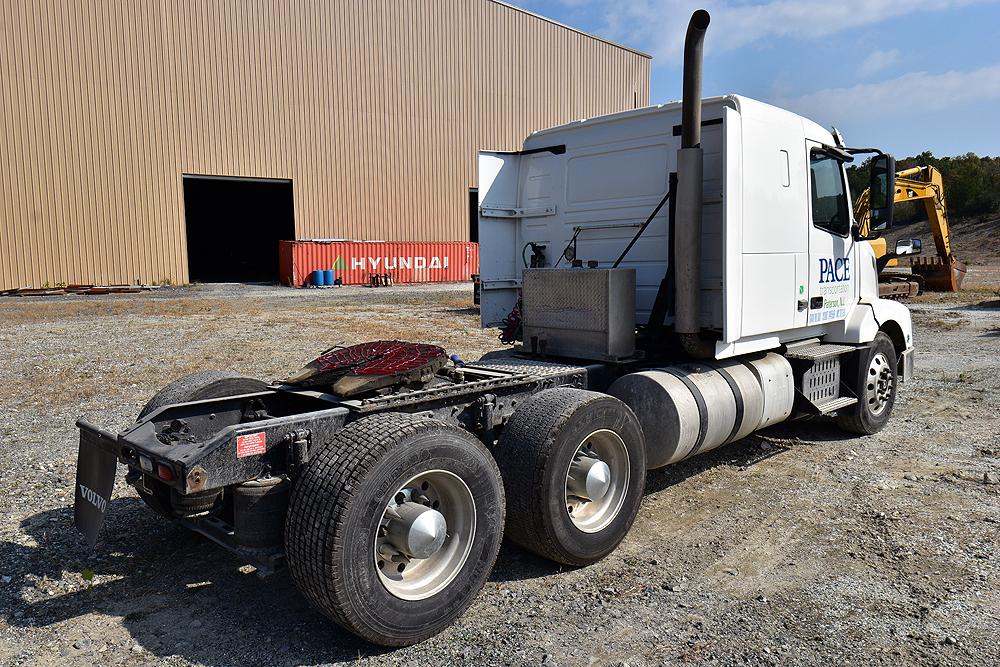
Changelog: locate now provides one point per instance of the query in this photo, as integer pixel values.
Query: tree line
(971, 184)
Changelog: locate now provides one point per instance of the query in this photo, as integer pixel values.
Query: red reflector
(164, 472)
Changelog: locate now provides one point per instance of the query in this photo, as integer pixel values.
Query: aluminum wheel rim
(592, 515)
(411, 578)
(878, 384)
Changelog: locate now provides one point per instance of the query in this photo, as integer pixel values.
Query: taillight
(164, 472)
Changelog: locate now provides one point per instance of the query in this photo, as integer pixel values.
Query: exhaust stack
(687, 233)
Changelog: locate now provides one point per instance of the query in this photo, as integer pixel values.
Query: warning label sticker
(251, 444)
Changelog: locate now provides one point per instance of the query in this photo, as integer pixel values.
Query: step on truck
(679, 276)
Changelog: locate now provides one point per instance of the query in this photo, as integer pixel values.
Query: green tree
(971, 184)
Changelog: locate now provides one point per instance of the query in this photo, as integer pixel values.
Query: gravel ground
(796, 546)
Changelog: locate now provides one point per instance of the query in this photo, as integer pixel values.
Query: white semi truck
(679, 276)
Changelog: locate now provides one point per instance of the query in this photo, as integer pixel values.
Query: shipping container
(357, 262)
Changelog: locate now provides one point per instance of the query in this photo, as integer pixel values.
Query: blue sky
(902, 76)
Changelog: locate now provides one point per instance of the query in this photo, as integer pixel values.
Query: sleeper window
(829, 199)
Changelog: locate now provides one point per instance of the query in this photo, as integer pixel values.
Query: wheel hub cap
(589, 478)
(416, 530)
(597, 481)
(878, 384)
(424, 535)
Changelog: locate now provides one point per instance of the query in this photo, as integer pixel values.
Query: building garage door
(234, 225)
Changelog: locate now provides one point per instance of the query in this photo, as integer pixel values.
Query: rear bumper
(195, 447)
(905, 370)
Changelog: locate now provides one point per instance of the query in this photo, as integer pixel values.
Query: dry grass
(940, 321)
(180, 303)
(121, 348)
(15, 311)
(976, 295)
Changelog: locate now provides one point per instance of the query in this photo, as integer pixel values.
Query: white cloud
(904, 95)
(878, 61)
(659, 25)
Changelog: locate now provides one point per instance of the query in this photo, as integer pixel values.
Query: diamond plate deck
(818, 351)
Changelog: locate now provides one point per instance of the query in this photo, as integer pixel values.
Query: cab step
(834, 404)
(814, 350)
(817, 368)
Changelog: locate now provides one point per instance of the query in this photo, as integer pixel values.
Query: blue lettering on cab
(834, 270)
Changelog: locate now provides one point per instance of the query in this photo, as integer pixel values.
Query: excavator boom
(943, 273)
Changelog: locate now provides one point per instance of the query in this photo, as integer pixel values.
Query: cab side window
(829, 197)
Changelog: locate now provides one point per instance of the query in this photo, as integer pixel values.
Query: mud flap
(96, 465)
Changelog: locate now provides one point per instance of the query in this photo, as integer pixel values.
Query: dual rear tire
(574, 468)
(395, 524)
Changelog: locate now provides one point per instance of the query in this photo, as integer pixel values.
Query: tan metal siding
(375, 110)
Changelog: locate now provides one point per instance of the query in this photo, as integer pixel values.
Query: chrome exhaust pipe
(691, 107)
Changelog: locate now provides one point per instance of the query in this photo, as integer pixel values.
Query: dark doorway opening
(233, 227)
(474, 215)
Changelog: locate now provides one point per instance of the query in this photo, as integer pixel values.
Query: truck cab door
(832, 287)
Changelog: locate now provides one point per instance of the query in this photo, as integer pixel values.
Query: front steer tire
(871, 365)
(535, 452)
(335, 514)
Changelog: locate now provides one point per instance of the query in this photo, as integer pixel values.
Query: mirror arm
(859, 151)
(856, 233)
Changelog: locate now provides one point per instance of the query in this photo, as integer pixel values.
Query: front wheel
(872, 375)
(394, 526)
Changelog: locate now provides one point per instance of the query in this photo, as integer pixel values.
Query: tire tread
(527, 444)
(320, 504)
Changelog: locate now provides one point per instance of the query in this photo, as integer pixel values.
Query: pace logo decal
(834, 288)
(834, 270)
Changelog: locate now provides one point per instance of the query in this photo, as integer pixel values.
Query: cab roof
(746, 106)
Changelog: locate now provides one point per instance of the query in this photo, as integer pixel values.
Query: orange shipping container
(355, 262)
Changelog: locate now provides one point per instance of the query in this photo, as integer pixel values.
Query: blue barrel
(329, 277)
(318, 278)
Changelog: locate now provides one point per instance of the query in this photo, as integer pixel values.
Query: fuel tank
(695, 407)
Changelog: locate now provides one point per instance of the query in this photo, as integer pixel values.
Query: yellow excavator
(943, 273)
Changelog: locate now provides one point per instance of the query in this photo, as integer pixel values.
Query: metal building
(340, 119)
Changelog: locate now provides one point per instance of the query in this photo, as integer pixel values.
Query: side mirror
(909, 247)
(881, 192)
(903, 247)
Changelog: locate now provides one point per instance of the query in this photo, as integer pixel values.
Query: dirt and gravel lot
(796, 546)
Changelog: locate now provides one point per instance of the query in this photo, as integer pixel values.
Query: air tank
(695, 407)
